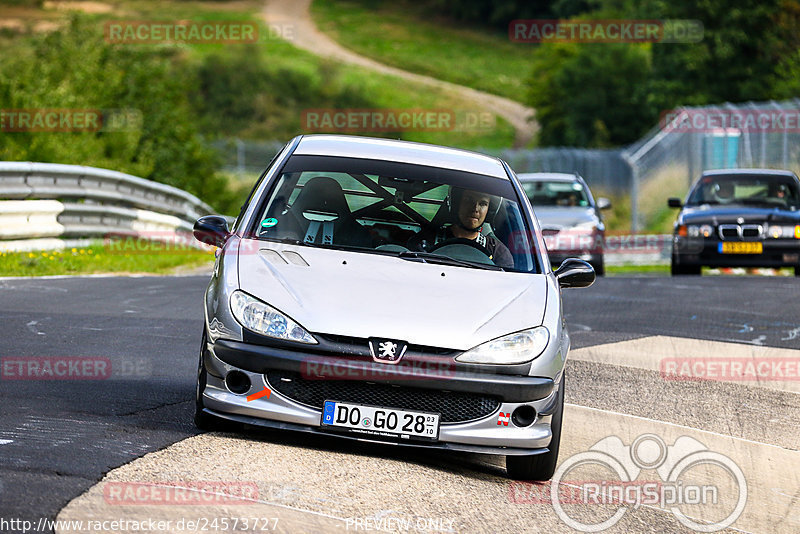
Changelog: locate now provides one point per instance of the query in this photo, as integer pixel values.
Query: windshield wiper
(429, 257)
(287, 241)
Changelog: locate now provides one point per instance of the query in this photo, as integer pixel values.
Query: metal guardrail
(46, 200)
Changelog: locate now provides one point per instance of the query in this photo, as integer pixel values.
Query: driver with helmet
(467, 213)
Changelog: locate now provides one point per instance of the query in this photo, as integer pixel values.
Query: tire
(599, 267)
(203, 420)
(680, 270)
(540, 467)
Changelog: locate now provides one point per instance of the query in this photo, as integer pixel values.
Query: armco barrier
(47, 200)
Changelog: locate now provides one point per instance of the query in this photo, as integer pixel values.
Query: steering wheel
(462, 241)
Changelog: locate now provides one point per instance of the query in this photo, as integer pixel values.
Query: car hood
(561, 217)
(369, 295)
(712, 214)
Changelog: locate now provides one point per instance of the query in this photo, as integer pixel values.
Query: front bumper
(777, 253)
(489, 434)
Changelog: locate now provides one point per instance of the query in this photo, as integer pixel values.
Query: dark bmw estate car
(738, 218)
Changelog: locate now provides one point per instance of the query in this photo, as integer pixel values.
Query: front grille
(362, 344)
(752, 230)
(729, 231)
(454, 407)
(735, 232)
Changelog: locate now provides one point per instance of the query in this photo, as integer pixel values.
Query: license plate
(741, 247)
(379, 421)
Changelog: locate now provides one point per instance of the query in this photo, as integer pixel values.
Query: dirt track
(308, 37)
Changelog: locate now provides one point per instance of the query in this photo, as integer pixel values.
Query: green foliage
(591, 95)
(499, 13)
(733, 63)
(75, 69)
(250, 92)
(596, 95)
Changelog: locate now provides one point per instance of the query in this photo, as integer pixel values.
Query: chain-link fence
(604, 170)
(690, 140)
(663, 163)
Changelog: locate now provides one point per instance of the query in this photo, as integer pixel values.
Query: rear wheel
(540, 466)
(203, 420)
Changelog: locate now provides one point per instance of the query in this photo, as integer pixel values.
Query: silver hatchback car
(388, 291)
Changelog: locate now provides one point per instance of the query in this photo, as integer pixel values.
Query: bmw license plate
(379, 421)
(741, 247)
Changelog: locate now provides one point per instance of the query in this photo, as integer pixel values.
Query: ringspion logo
(690, 479)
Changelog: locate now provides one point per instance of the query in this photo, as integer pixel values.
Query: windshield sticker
(269, 223)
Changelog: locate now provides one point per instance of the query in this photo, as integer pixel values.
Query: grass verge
(103, 258)
(625, 270)
(403, 35)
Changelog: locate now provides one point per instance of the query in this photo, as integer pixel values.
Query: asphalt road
(59, 437)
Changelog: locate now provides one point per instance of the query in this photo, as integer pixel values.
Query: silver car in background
(570, 219)
(393, 292)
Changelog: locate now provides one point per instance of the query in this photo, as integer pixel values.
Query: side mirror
(575, 273)
(603, 203)
(674, 203)
(211, 230)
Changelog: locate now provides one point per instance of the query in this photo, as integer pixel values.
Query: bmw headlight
(266, 320)
(694, 231)
(519, 347)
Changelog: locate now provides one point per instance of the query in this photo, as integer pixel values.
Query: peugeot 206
(388, 291)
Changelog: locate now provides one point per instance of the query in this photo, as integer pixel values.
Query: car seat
(323, 216)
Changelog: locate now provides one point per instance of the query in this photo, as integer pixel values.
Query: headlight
(786, 232)
(706, 230)
(519, 347)
(693, 231)
(263, 319)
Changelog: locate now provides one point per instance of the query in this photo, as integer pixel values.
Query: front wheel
(540, 466)
(203, 420)
(599, 267)
(678, 270)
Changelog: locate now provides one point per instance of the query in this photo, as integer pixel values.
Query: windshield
(778, 191)
(416, 213)
(556, 193)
